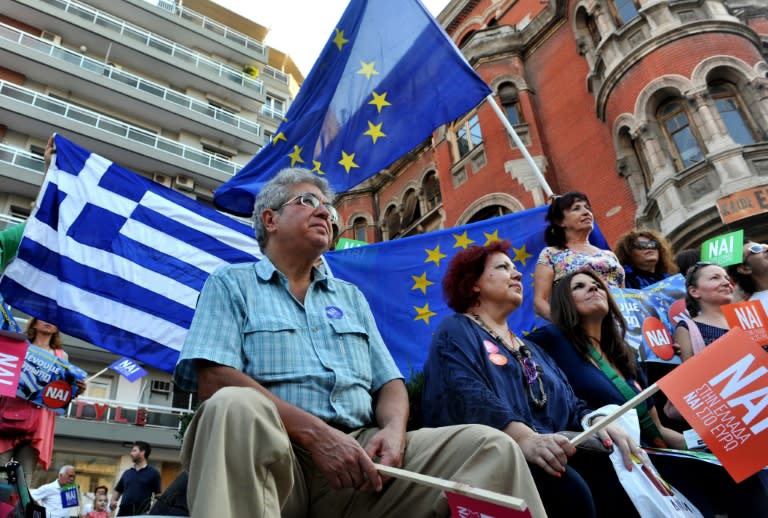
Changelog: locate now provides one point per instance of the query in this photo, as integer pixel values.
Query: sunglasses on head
(646, 245)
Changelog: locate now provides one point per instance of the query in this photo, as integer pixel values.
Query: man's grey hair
(279, 190)
(63, 470)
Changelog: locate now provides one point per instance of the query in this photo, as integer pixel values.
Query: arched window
(411, 209)
(683, 142)
(489, 212)
(624, 11)
(431, 188)
(392, 219)
(360, 229)
(511, 102)
(468, 135)
(731, 112)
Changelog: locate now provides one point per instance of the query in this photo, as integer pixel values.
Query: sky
(300, 28)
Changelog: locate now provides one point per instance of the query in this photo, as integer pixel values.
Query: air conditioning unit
(162, 179)
(184, 183)
(49, 36)
(160, 386)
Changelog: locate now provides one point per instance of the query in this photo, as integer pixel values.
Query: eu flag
(401, 279)
(388, 76)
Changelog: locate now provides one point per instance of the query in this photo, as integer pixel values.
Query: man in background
(138, 484)
(49, 495)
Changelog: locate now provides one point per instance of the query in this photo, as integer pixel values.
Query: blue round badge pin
(334, 312)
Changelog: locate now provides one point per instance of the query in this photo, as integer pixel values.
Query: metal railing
(20, 158)
(158, 415)
(272, 112)
(115, 127)
(125, 78)
(138, 34)
(275, 74)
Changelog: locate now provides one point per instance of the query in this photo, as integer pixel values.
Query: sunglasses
(308, 199)
(757, 248)
(646, 245)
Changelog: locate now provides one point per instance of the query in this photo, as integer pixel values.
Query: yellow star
(379, 101)
(295, 155)
(423, 313)
(348, 161)
(316, 169)
(374, 131)
(490, 238)
(339, 39)
(462, 241)
(521, 254)
(367, 69)
(420, 282)
(434, 255)
(278, 137)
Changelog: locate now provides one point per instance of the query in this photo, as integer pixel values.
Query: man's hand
(343, 462)
(386, 447)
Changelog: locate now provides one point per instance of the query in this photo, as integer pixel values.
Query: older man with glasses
(301, 395)
(752, 274)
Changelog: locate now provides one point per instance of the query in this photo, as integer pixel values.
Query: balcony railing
(203, 21)
(272, 112)
(73, 58)
(115, 127)
(20, 158)
(275, 74)
(190, 58)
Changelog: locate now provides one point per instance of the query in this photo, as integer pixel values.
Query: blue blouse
(465, 382)
(587, 380)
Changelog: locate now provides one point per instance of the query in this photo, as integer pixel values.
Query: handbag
(593, 445)
(17, 417)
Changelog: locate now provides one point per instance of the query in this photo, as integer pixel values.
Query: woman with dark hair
(707, 287)
(687, 258)
(570, 224)
(646, 258)
(479, 371)
(37, 447)
(586, 339)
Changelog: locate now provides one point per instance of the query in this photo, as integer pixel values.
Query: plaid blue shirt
(325, 356)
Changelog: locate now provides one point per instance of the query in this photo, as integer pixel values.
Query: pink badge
(490, 347)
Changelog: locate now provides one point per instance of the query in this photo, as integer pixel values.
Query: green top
(9, 243)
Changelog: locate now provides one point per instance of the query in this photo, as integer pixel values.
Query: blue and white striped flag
(118, 260)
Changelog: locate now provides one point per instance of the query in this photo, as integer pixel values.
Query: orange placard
(658, 338)
(465, 506)
(723, 394)
(749, 316)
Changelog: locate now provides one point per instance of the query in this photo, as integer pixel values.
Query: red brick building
(656, 109)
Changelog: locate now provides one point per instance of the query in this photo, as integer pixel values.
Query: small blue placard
(69, 496)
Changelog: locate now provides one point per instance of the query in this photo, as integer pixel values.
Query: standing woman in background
(36, 447)
(570, 224)
(646, 258)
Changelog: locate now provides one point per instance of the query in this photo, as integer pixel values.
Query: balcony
(172, 99)
(272, 112)
(21, 171)
(11, 96)
(135, 47)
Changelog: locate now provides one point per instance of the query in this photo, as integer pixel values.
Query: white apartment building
(184, 93)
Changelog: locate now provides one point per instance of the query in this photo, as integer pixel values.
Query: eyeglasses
(757, 248)
(696, 267)
(310, 200)
(646, 245)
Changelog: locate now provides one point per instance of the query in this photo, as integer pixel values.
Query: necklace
(532, 372)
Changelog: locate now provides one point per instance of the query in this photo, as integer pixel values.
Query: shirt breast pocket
(354, 348)
(272, 348)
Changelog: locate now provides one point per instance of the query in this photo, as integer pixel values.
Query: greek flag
(118, 260)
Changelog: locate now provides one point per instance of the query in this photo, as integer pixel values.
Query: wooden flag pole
(102, 371)
(632, 403)
(509, 502)
(520, 146)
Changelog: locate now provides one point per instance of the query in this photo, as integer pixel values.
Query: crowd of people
(301, 400)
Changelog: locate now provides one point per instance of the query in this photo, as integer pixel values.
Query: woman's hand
(621, 440)
(548, 451)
